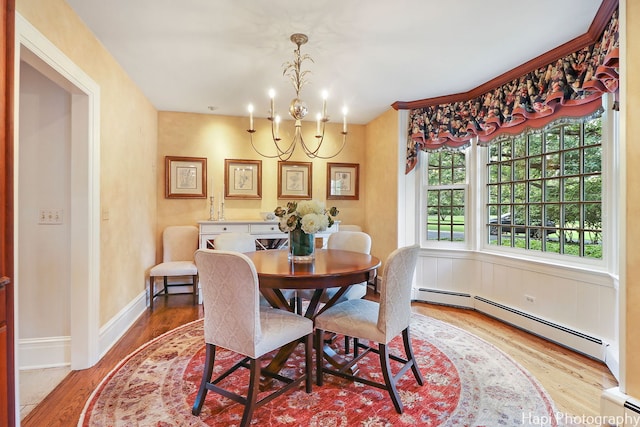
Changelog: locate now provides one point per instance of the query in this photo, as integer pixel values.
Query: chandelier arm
(314, 153)
(282, 155)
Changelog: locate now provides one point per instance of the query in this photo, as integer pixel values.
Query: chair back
(395, 293)
(354, 241)
(237, 242)
(230, 299)
(179, 243)
(349, 227)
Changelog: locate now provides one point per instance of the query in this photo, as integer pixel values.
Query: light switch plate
(51, 216)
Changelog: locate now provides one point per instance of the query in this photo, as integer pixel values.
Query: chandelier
(297, 110)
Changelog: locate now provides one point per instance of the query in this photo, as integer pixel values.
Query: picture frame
(242, 179)
(185, 177)
(343, 181)
(294, 180)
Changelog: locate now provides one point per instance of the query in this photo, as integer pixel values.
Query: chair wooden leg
(347, 340)
(206, 377)
(319, 343)
(308, 353)
(166, 287)
(152, 286)
(388, 378)
(252, 393)
(195, 289)
(406, 339)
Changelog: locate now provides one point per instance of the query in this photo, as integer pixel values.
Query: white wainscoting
(571, 306)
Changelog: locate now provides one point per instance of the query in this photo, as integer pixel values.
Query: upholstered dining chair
(355, 241)
(179, 243)
(238, 242)
(234, 320)
(376, 322)
(349, 227)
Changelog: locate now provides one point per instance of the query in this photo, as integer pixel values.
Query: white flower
(310, 207)
(311, 223)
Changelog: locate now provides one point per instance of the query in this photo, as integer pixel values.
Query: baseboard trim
(119, 324)
(49, 352)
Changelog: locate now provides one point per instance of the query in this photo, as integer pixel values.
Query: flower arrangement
(309, 216)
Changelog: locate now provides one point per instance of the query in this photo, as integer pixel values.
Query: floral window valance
(569, 87)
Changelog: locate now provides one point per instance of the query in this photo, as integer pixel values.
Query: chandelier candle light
(298, 110)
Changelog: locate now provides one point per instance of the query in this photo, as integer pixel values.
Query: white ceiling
(187, 55)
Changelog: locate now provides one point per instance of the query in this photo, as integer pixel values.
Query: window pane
(571, 161)
(552, 165)
(552, 190)
(593, 188)
(535, 168)
(505, 151)
(493, 194)
(535, 191)
(459, 175)
(434, 176)
(520, 193)
(505, 193)
(493, 173)
(571, 137)
(593, 159)
(505, 172)
(520, 146)
(552, 140)
(535, 144)
(520, 170)
(572, 189)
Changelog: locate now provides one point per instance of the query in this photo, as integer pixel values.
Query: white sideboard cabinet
(266, 233)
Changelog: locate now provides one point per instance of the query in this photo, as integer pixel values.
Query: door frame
(35, 49)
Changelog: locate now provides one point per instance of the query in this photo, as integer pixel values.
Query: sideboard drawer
(224, 228)
(271, 227)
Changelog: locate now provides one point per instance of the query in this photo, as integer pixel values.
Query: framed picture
(185, 177)
(242, 179)
(343, 181)
(294, 180)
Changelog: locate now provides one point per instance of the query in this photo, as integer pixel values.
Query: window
(544, 190)
(446, 188)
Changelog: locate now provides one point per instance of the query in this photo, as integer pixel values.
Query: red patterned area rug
(468, 382)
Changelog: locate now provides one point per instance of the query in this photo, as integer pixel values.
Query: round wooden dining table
(331, 268)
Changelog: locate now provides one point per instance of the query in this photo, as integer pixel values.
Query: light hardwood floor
(574, 381)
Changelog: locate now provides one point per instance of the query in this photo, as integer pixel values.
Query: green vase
(301, 246)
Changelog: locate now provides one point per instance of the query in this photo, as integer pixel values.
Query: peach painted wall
(631, 309)
(223, 137)
(128, 133)
(382, 183)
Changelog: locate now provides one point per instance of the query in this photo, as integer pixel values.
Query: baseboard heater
(576, 340)
(454, 299)
(632, 407)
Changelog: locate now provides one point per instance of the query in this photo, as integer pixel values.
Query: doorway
(71, 215)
